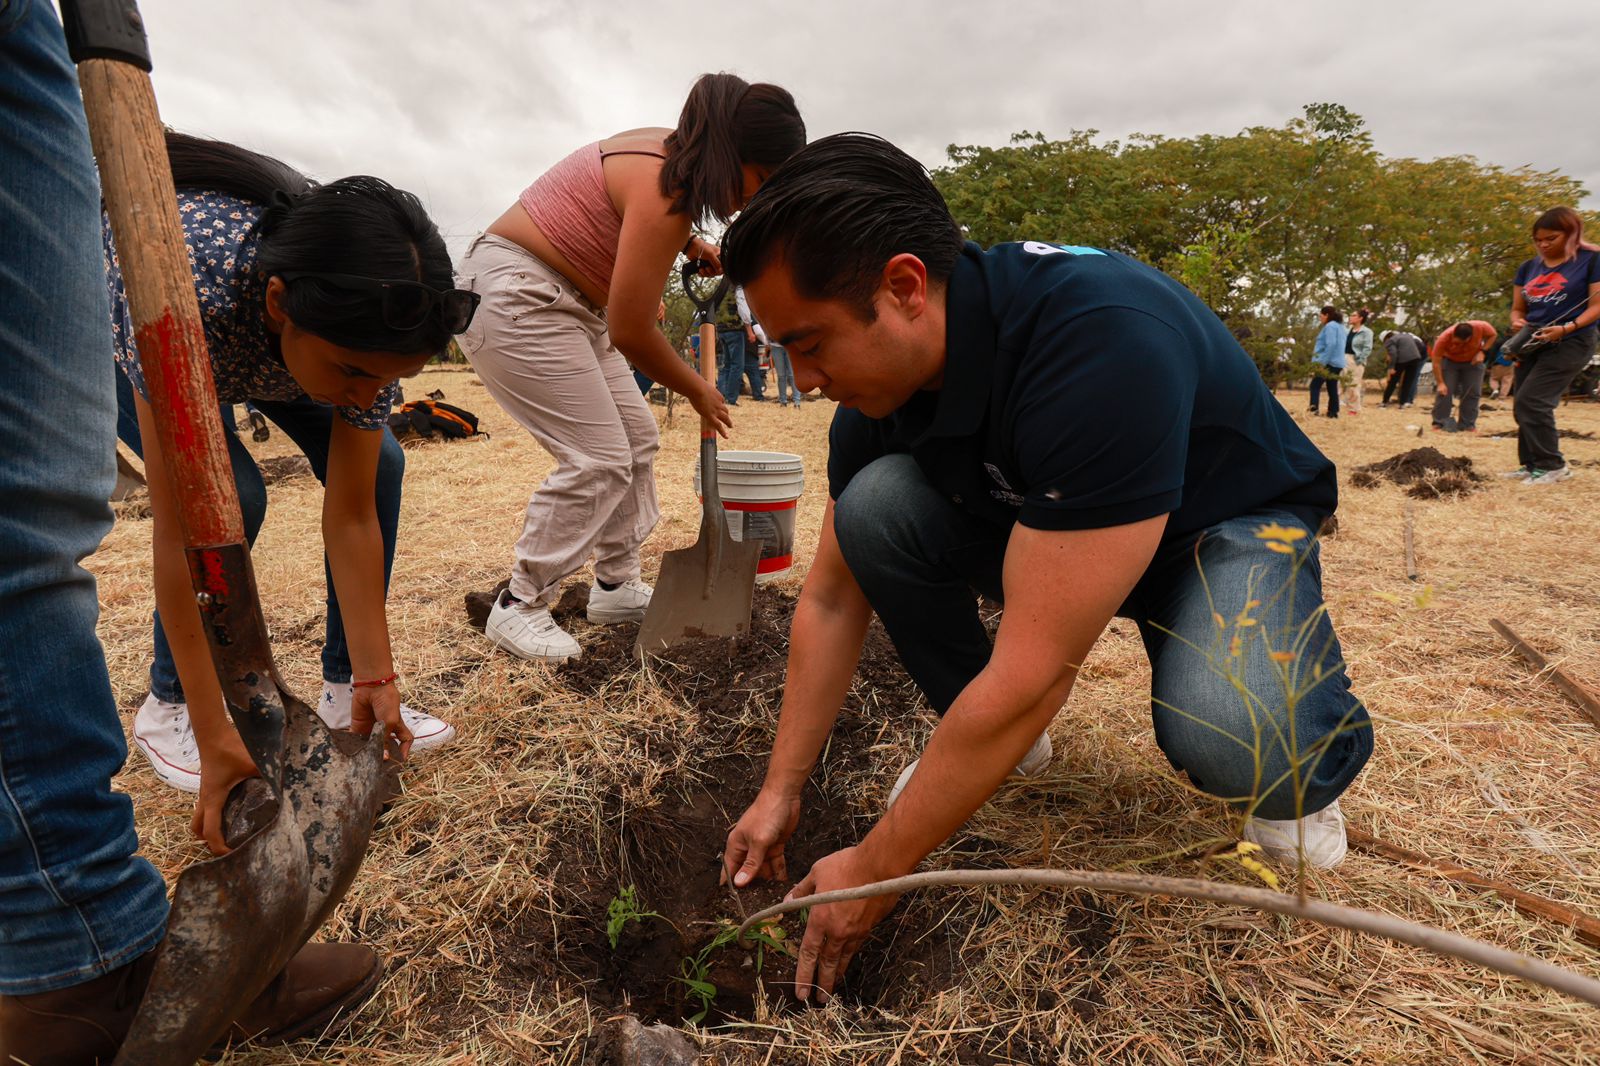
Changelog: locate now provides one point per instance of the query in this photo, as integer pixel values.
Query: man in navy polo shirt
(1068, 431)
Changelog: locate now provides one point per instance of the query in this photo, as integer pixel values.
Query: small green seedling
(622, 910)
(696, 968)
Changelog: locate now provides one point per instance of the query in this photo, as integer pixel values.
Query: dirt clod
(1427, 473)
(283, 467)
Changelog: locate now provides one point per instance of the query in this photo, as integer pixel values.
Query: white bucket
(759, 491)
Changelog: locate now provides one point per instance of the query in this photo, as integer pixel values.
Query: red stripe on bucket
(777, 562)
(740, 505)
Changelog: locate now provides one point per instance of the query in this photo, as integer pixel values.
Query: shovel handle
(140, 200)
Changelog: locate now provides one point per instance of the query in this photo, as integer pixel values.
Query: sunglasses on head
(406, 304)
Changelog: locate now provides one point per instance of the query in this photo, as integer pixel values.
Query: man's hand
(1441, 390)
(371, 704)
(221, 768)
(835, 932)
(755, 845)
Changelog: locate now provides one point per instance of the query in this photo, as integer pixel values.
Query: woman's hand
(371, 704)
(1550, 334)
(697, 248)
(221, 768)
(713, 408)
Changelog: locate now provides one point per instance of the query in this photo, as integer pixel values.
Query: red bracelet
(376, 682)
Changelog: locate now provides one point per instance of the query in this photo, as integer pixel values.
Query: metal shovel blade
(683, 608)
(706, 589)
(298, 835)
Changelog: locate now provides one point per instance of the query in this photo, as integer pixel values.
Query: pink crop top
(570, 206)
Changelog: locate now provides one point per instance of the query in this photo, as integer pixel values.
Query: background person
(314, 299)
(1069, 429)
(571, 276)
(1557, 292)
(1407, 353)
(1358, 347)
(1458, 356)
(1328, 359)
(783, 371)
(82, 915)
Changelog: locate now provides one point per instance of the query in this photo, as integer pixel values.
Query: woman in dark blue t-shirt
(1554, 294)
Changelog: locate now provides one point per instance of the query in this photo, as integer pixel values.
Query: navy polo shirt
(1084, 389)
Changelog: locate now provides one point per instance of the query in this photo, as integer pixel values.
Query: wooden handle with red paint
(141, 202)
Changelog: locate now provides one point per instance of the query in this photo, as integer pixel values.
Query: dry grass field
(486, 885)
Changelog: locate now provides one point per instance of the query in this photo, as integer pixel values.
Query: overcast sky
(464, 102)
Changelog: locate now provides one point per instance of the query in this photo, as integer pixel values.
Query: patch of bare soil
(1427, 473)
(284, 467)
(669, 853)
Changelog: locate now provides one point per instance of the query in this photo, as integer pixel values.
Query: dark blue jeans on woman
(76, 901)
(309, 424)
(1244, 726)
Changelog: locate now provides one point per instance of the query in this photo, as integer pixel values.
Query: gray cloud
(466, 102)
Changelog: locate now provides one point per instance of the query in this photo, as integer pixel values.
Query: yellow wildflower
(1283, 656)
(1279, 547)
(1282, 534)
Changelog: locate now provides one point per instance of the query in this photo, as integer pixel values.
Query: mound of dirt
(1428, 473)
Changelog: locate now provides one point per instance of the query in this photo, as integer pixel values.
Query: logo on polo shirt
(1004, 493)
(1041, 248)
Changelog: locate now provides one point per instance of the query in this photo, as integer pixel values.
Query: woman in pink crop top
(570, 278)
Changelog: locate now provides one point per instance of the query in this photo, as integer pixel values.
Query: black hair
(1366, 315)
(838, 211)
(1463, 331)
(358, 225)
(1333, 313)
(726, 123)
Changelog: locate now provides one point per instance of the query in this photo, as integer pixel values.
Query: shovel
(299, 831)
(704, 590)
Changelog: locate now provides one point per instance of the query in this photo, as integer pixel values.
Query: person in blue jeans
(81, 913)
(783, 370)
(309, 316)
(1068, 431)
(1328, 359)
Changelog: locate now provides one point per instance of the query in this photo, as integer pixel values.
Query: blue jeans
(1227, 715)
(75, 899)
(783, 370)
(1324, 375)
(309, 424)
(730, 363)
(752, 371)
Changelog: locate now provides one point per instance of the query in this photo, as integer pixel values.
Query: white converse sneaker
(625, 603)
(162, 731)
(426, 730)
(1032, 765)
(526, 629)
(1322, 835)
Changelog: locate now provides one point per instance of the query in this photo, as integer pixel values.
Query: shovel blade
(237, 920)
(686, 604)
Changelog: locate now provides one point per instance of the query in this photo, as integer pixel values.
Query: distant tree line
(1271, 223)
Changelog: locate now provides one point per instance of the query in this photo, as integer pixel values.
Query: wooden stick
(1411, 542)
(1576, 690)
(1584, 927)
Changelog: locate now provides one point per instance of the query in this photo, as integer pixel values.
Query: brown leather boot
(321, 983)
(78, 1026)
(84, 1025)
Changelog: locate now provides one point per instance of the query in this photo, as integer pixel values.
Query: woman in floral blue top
(314, 300)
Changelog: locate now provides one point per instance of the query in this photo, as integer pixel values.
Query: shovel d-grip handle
(141, 203)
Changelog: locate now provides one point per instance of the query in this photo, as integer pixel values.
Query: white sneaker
(526, 629)
(1548, 477)
(426, 730)
(162, 731)
(625, 603)
(1519, 474)
(1032, 764)
(1322, 835)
